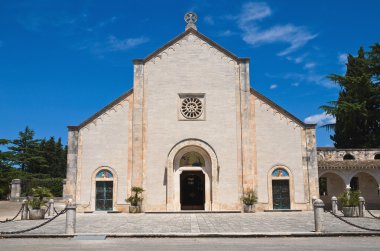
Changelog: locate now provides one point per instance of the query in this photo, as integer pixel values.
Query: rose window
(191, 108)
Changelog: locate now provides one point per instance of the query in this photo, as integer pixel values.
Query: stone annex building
(195, 135)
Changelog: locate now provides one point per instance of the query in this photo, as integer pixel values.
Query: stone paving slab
(197, 223)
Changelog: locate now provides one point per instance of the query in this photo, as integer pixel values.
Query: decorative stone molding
(191, 106)
(211, 171)
(195, 40)
(332, 154)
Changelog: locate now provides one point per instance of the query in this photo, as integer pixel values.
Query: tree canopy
(34, 155)
(357, 110)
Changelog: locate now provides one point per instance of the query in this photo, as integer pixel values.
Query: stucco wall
(278, 143)
(104, 142)
(190, 66)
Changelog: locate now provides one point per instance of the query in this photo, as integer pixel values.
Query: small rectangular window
(354, 184)
(322, 186)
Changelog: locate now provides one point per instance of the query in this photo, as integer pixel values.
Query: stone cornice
(99, 113)
(281, 110)
(200, 36)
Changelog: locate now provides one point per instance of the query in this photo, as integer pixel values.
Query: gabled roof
(282, 110)
(104, 109)
(200, 36)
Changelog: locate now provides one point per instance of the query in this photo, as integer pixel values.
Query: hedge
(54, 184)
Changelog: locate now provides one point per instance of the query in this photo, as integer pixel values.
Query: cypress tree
(358, 105)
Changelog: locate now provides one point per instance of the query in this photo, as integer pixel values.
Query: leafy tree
(357, 110)
(26, 152)
(5, 157)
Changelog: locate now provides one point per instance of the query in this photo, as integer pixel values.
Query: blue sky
(62, 61)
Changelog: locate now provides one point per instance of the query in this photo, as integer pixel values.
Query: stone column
(318, 215)
(137, 123)
(15, 189)
(70, 218)
(361, 206)
(334, 205)
(69, 191)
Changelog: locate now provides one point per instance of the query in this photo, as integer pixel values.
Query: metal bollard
(70, 218)
(51, 207)
(361, 206)
(334, 205)
(318, 212)
(25, 209)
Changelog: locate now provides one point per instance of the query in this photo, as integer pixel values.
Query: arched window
(104, 174)
(377, 156)
(192, 159)
(348, 157)
(280, 172)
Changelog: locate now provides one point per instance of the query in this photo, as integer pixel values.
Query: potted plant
(349, 200)
(135, 199)
(249, 199)
(36, 212)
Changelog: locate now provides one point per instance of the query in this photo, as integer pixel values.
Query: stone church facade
(195, 136)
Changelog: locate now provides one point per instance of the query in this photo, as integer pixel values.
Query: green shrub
(53, 184)
(40, 194)
(249, 198)
(349, 198)
(136, 198)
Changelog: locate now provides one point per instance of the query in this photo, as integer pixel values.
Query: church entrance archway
(192, 190)
(189, 161)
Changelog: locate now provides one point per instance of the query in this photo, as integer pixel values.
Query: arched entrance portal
(191, 176)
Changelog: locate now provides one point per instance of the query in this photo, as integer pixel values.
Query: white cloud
(226, 33)
(320, 119)
(295, 84)
(311, 78)
(209, 20)
(111, 44)
(252, 13)
(116, 44)
(273, 86)
(310, 65)
(342, 58)
(298, 59)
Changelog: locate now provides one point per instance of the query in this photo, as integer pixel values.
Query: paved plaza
(192, 223)
(186, 244)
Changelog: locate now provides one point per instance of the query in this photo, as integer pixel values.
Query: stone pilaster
(312, 164)
(72, 160)
(246, 121)
(137, 124)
